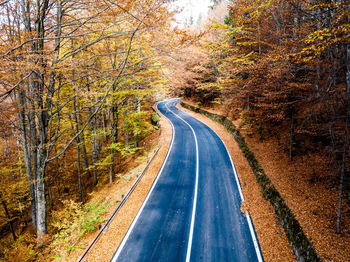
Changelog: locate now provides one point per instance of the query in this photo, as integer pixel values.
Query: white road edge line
(250, 223)
(122, 244)
(190, 238)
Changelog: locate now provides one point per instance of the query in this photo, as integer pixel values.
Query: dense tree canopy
(76, 85)
(78, 79)
(282, 67)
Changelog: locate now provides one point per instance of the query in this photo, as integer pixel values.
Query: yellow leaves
(216, 47)
(247, 43)
(319, 41)
(73, 221)
(217, 26)
(324, 6)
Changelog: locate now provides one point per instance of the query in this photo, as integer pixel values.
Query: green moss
(300, 244)
(155, 119)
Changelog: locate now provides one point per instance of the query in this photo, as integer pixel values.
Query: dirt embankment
(311, 204)
(300, 183)
(272, 240)
(104, 249)
(271, 237)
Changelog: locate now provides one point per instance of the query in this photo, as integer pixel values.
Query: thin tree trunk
(85, 156)
(318, 63)
(259, 32)
(99, 127)
(340, 197)
(21, 174)
(342, 174)
(8, 151)
(9, 220)
(93, 142)
(346, 142)
(291, 139)
(79, 174)
(49, 191)
(114, 121)
(278, 28)
(78, 151)
(83, 147)
(138, 109)
(126, 126)
(296, 21)
(347, 59)
(347, 74)
(114, 140)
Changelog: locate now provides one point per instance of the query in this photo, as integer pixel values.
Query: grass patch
(72, 222)
(155, 120)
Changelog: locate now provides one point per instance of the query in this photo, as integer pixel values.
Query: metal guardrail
(125, 198)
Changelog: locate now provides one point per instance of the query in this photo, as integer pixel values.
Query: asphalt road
(192, 212)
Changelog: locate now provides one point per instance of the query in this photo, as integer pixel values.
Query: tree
(54, 51)
(283, 68)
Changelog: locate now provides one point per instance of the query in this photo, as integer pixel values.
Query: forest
(77, 82)
(79, 78)
(282, 67)
(281, 71)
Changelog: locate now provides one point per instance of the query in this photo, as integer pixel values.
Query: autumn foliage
(282, 68)
(77, 82)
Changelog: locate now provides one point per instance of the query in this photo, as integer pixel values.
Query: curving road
(192, 212)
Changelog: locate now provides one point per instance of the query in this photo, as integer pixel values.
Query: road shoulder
(104, 249)
(271, 236)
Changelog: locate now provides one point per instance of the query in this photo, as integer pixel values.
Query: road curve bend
(192, 212)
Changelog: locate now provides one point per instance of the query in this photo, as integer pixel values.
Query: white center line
(190, 238)
(250, 223)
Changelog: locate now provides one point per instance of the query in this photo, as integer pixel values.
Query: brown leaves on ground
(271, 236)
(305, 186)
(104, 249)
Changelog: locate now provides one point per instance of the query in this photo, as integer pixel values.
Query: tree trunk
(20, 207)
(346, 139)
(347, 74)
(318, 63)
(259, 32)
(126, 126)
(38, 114)
(9, 220)
(342, 174)
(93, 142)
(79, 173)
(86, 159)
(114, 140)
(41, 203)
(40, 177)
(278, 27)
(82, 145)
(291, 139)
(78, 150)
(26, 153)
(138, 109)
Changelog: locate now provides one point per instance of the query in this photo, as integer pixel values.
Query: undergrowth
(72, 222)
